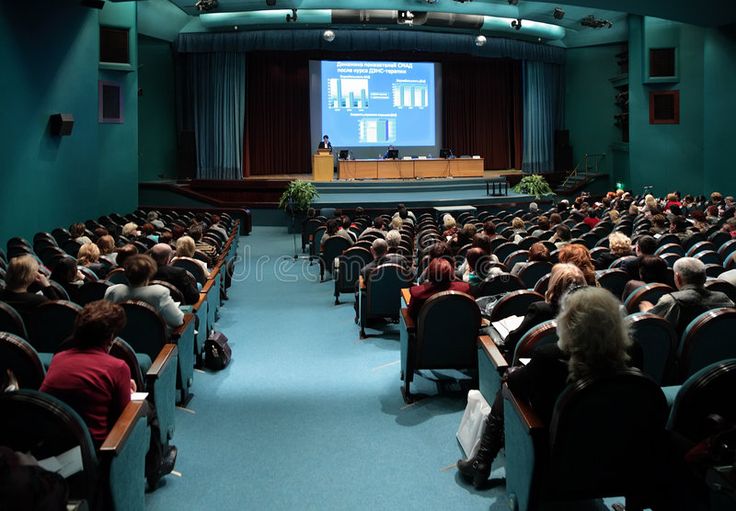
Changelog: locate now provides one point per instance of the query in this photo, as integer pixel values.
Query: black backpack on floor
(217, 352)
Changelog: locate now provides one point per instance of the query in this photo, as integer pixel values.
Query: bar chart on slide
(410, 94)
(377, 130)
(347, 93)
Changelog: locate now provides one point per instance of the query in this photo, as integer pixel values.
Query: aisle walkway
(307, 416)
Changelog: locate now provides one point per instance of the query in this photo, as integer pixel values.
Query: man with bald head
(180, 278)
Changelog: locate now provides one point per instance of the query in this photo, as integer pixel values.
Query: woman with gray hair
(593, 341)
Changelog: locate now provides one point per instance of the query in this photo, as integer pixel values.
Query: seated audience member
(474, 257)
(381, 255)
(106, 244)
(185, 250)
(659, 225)
(376, 226)
(463, 237)
(153, 218)
(650, 206)
(672, 200)
(67, 274)
(716, 198)
(555, 219)
(699, 221)
(130, 230)
(440, 277)
(614, 216)
(77, 233)
(592, 219)
(139, 269)
(345, 227)
(619, 245)
(651, 269)
(403, 213)
(436, 250)
(645, 245)
(691, 299)
(543, 225)
(99, 232)
(517, 225)
(177, 231)
(23, 273)
(89, 257)
(98, 386)
(148, 230)
(563, 277)
(562, 236)
(537, 252)
(178, 277)
(217, 225)
(196, 234)
(579, 255)
(333, 230)
(593, 341)
(396, 223)
(167, 238)
(124, 253)
(489, 228)
(678, 227)
(450, 226)
(533, 207)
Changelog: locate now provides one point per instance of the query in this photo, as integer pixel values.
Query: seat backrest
(447, 332)
(39, 424)
(11, 321)
(92, 291)
(532, 272)
(699, 247)
(518, 256)
(383, 289)
(122, 350)
(504, 250)
(351, 262)
(497, 284)
(19, 356)
(706, 393)
(707, 339)
(515, 303)
(708, 257)
(144, 330)
(192, 267)
(542, 284)
(51, 324)
(332, 248)
(668, 238)
(174, 292)
(651, 293)
(543, 334)
(726, 249)
(658, 341)
(614, 280)
(724, 287)
(606, 435)
(117, 276)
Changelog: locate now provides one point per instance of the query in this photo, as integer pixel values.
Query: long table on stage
(406, 169)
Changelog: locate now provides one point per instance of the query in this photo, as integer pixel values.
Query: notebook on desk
(506, 325)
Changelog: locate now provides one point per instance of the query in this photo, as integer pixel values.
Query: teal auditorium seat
(382, 296)
(707, 339)
(658, 341)
(51, 324)
(347, 270)
(650, 292)
(605, 439)
(10, 321)
(157, 377)
(444, 336)
(111, 479)
(18, 356)
(333, 247)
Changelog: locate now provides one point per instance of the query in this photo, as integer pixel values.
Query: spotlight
(516, 24)
(480, 40)
(206, 5)
(558, 13)
(328, 35)
(405, 18)
(593, 22)
(292, 17)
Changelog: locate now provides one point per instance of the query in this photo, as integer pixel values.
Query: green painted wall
(50, 65)
(589, 102)
(157, 114)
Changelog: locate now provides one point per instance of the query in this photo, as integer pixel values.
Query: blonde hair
(449, 222)
(393, 238)
(563, 277)
(517, 223)
(185, 247)
(619, 243)
(21, 272)
(88, 253)
(396, 223)
(650, 201)
(592, 330)
(614, 216)
(129, 228)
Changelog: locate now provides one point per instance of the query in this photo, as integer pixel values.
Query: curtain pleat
(543, 114)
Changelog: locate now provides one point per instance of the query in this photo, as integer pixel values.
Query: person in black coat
(562, 278)
(593, 341)
(22, 278)
(178, 277)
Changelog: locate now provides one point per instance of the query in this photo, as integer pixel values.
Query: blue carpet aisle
(307, 416)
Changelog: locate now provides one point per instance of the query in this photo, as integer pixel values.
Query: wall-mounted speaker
(96, 4)
(61, 124)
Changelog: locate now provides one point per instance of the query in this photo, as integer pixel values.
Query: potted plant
(534, 184)
(296, 200)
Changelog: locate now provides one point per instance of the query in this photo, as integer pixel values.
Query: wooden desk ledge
(122, 429)
(202, 299)
(411, 325)
(498, 360)
(168, 352)
(406, 295)
(179, 331)
(530, 419)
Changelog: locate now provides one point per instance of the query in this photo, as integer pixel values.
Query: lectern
(322, 166)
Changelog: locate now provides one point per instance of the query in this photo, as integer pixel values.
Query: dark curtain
(483, 110)
(276, 136)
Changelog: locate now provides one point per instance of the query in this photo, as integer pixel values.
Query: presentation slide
(367, 104)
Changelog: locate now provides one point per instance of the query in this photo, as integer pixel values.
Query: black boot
(478, 469)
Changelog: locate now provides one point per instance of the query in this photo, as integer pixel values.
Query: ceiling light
(516, 24)
(480, 40)
(558, 13)
(593, 22)
(328, 35)
(292, 17)
(206, 5)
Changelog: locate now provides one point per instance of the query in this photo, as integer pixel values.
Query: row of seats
(161, 363)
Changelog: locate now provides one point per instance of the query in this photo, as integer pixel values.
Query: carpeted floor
(307, 416)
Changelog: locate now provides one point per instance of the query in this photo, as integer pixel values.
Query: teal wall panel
(50, 65)
(157, 110)
(589, 102)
